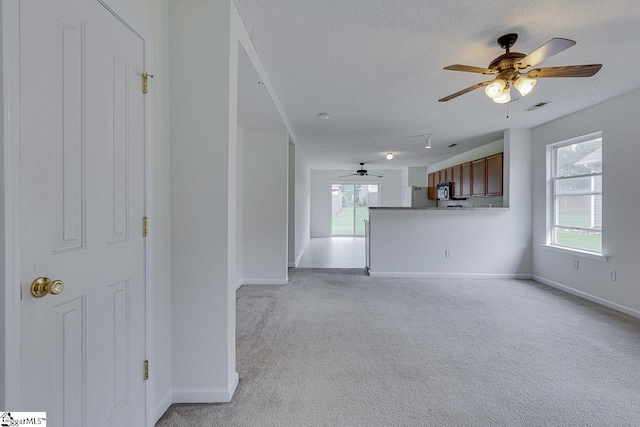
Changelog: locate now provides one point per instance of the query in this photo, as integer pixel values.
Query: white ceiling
(376, 67)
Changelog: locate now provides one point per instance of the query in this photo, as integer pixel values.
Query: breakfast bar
(445, 242)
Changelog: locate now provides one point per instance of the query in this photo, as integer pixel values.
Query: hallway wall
(265, 194)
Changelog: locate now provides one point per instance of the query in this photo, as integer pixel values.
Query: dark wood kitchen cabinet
(432, 191)
(494, 175)
(465, 170)
(481, 177)
(478, 177)
(456, 179)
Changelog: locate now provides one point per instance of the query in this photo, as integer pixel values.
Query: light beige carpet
(337, 348)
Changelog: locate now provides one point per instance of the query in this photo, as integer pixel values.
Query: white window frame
(552, 211)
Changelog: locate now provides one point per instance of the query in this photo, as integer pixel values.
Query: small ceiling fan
(507, 69)
(362, 172)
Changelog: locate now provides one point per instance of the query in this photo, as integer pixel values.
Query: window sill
(576, 252)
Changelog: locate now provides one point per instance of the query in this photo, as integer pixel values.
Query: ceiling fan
(507, 69)
(362, 172)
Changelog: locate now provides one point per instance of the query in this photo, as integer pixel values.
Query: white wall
(265, 194)
(483, 243)
(302, 204)
(417, 176)
(404, 177)
(291, 255)
(239, 204)
(321, 181)
(618, 121)
(203, 40)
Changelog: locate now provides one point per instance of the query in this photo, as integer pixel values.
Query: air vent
(536, 106)
(452, 145)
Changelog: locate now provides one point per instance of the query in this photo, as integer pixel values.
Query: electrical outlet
(447, 253)
(612, 275)
(576, 264)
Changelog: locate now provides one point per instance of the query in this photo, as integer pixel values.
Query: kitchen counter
(462, 208)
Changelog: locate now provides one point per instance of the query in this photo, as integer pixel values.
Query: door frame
(10, 200)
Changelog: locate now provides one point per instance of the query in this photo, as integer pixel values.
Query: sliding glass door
(349, 207)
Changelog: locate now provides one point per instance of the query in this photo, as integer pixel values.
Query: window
(576, 182)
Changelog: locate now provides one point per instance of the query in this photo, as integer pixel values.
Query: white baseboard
(206, 395)
(581, 294)
(238, 285)
(294, 265)
(162, 406)
(265, 281)
(417, 275)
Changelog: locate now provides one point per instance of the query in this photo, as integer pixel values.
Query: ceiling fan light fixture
(495, 89)
(524, 85)
(389, 156)
(504, 97)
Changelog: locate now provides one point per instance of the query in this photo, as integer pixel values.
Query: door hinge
(145, 82)
(145, 226)
(145, 372)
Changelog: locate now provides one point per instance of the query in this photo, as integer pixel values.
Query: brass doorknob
(43, 286)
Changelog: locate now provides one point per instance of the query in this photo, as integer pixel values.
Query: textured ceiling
(376, 67)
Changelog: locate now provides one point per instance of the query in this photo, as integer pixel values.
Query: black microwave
(444, 191)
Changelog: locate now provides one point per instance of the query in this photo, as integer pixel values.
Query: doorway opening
(349, 207)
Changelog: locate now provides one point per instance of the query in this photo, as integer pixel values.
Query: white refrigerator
(416, 197)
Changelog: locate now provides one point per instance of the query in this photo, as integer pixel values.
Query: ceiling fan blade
(351, 174)
(545, 51)
(379, 175)
(463, 91)
(566, 71)
(470, 69)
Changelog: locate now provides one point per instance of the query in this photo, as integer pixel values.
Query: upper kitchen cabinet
(443, 176)
(432, 191)
(456, 179)
(478, 177)
(494, 175)
(465, 170)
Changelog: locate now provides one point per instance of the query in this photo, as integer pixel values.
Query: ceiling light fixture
(505, 95)
(389, 156)
(524, 85)
(428, 141)
(495, 89)
(324, 116)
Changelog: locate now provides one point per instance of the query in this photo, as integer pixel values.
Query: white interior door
(82, 191)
